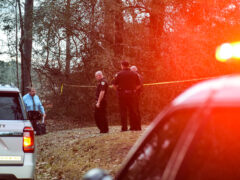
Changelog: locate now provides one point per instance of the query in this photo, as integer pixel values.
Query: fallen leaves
(68, 154)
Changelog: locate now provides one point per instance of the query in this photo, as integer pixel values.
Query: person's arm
(27, 104)
(100, 97)
(25, 101)
(138, 82)
(115, 82)
(41, 108)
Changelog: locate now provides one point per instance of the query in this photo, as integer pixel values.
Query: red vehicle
(197, 137)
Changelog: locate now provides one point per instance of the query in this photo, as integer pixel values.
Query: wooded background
(167, 40)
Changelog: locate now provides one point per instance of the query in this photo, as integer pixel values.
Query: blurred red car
(197, 137)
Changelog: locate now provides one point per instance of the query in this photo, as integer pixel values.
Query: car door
(151, 158)
(11, 129)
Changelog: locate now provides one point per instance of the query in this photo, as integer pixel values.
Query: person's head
(32, 91)
(99, 75)
(133, 68)
(124, 65)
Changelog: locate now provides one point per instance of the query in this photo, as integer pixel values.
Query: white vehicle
(17, 146)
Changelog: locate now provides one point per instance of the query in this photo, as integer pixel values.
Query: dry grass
(68, 154)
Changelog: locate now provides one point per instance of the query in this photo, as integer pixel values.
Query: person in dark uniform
(101, 103)
(138, 94)
(127, 83)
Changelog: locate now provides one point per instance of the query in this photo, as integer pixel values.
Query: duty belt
(127, 91)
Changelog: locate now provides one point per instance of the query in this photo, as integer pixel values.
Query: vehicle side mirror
(97, 174)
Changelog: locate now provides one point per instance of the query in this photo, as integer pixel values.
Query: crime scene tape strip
(72, 85)
(146, 84)
(174, 82)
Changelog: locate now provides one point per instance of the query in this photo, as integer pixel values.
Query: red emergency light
(228, 51)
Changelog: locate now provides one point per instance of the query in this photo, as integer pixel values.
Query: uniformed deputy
(101, 103)
(127, 83)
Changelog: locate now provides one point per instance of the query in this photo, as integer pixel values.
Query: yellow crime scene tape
(146, 84)
(225, 52)
(175, 82)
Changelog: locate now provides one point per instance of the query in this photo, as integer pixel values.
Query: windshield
(10, 108)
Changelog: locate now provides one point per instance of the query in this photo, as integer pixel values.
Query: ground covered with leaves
(68, 153)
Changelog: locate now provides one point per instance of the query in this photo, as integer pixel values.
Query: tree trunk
(108, 22)
(16, 43)
(156, 23)
(68, 43)
(118, 45)
(26, 55)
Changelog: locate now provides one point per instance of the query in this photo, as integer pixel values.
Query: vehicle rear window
(10, 108)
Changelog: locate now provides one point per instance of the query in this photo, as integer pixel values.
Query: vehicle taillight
(28, 139)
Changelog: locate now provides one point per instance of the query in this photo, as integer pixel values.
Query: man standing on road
(137, 97)
(101, 103)
(127, 83)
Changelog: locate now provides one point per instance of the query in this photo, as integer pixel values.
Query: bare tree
(118, 47)
(68, 36)
(16, 43)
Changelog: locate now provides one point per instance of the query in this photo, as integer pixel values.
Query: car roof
(221, 91)
(8, 88)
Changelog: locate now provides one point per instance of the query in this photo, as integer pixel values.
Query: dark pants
(128, 106)
(34, 116)
(100, 117)
(138, 121)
